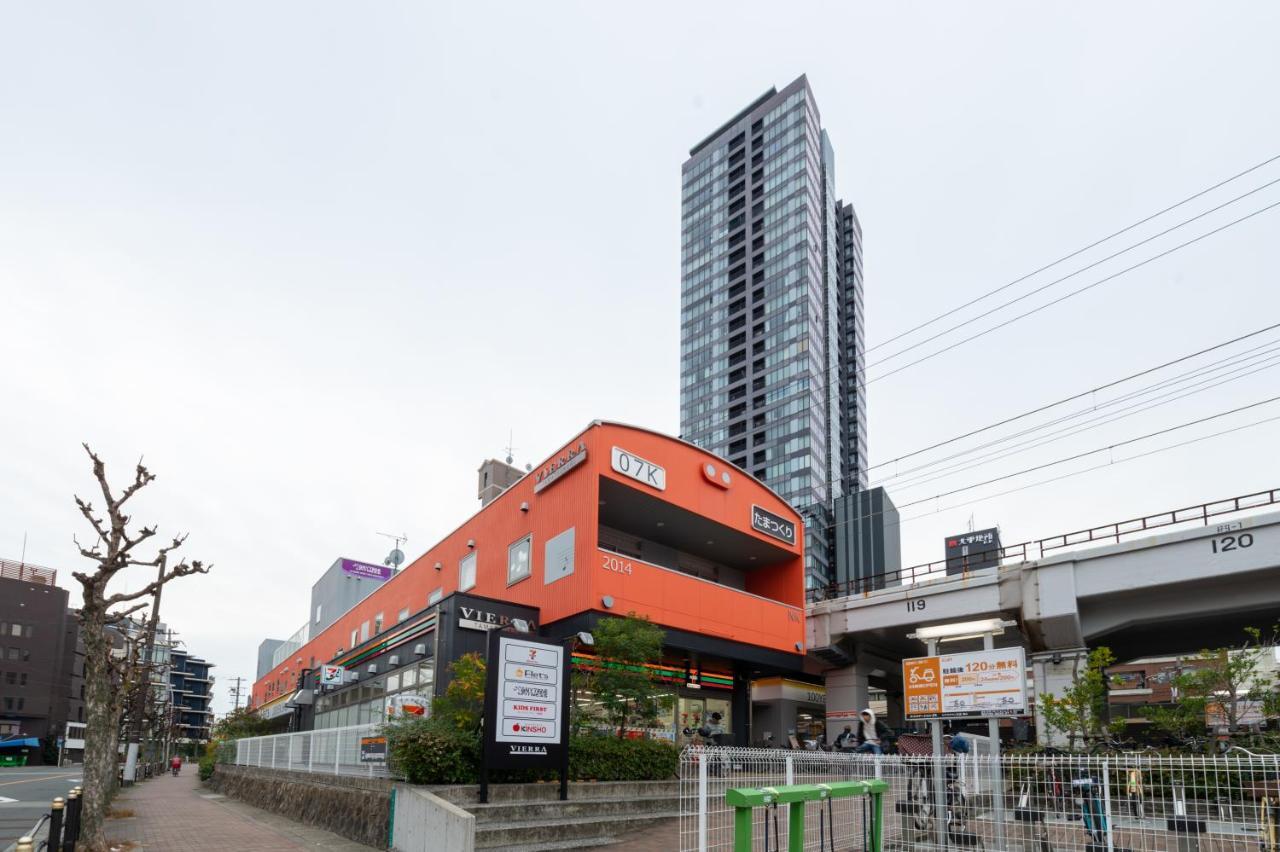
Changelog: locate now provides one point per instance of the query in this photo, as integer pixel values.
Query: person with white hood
(873, 735)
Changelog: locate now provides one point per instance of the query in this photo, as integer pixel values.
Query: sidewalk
(181, 815)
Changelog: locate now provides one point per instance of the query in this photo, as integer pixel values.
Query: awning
(22, 742)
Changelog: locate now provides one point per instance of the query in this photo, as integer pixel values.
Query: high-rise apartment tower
(771, 327)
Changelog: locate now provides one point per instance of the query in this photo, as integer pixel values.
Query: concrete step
(585, 843)
(467, 795)
(496, 835)
(574, 808)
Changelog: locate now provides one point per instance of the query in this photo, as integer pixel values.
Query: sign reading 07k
(980, 683)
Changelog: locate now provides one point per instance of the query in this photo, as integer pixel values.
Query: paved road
(31, 789)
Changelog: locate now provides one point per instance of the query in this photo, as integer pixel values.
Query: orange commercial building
(620, 520)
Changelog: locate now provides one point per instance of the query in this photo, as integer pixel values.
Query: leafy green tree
(1081, 711)
(243, 722)
(626, 690)
(462, 706)
(1223, 679)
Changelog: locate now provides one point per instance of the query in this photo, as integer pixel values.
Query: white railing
(287, 648)
(1116, 803)
(331, 751)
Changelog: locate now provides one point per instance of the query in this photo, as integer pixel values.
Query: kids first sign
(978, 683)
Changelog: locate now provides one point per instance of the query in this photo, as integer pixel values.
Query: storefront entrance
(694, 710)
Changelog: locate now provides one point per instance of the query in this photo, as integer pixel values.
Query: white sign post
(526, 722)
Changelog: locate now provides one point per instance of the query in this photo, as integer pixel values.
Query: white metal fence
(331, 751)
(1111, 803)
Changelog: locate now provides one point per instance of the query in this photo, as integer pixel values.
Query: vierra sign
(559, 466)
(474, 618)
(526, 693)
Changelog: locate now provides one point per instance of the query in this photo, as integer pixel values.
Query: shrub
(207, 761)
(431, 751)
(613, 759)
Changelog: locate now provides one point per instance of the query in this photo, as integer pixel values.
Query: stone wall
(356, 808)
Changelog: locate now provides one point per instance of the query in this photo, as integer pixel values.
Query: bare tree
(114, 550)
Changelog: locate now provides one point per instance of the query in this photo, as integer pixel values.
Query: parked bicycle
(1085, 787)
(959, 811)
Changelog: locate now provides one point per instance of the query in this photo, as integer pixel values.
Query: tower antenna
(396, 557)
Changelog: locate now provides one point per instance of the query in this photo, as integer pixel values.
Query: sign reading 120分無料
(979, 683)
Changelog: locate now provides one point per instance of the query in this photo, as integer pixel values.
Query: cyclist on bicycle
(873, 735)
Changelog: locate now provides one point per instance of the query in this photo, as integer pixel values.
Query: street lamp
(958, 630)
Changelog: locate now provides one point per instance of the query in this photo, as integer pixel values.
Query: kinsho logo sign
(773, 525)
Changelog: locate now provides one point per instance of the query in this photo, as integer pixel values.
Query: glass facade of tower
(771, 310)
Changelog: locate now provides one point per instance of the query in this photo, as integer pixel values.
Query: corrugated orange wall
(669, 598)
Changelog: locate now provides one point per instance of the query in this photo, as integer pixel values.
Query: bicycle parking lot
(1067, 803)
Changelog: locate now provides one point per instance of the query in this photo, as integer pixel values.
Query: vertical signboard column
(526, 716)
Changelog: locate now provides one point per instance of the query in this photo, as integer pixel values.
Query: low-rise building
(620, 520)
(38, 637)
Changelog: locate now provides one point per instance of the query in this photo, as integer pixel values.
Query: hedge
(428, 753)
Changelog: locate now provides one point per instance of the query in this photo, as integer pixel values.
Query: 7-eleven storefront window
(680, 706)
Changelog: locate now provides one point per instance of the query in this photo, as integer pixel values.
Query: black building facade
(38, 657)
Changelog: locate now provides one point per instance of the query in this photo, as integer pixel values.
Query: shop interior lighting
(961, 629)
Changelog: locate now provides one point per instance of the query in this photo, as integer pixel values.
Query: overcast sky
(316, 260)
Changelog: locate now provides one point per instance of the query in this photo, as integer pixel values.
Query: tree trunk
(101, 731)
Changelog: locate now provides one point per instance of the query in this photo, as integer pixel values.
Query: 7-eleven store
(620, 520)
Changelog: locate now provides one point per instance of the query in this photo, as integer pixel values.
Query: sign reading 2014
(773, 525)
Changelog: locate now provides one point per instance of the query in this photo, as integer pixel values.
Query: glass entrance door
(689, 715)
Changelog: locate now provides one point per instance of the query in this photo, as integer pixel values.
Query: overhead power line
(1109, 463)
(1076, 396)
(1092, 452)
(1088, 425)
(1237, 367)
(1070, 275)
(1030, 485)
(1076, 292)
(1076, 253)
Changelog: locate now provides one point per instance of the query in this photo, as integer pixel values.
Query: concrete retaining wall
(356, 808)
(425, 822)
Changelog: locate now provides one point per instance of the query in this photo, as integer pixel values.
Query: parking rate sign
(979, 683)
(529, 692)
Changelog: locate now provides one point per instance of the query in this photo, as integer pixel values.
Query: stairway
(531, 817)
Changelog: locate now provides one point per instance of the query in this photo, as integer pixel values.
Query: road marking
(5, 800)
(33, 780)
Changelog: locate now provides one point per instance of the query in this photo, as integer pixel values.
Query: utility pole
(235, 691)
